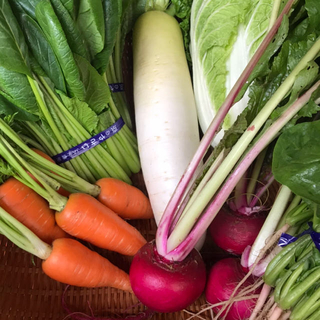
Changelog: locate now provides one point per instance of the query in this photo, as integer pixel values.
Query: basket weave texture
(26, 293)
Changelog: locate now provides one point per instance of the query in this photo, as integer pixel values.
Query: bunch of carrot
(66, 260)
(30, 197)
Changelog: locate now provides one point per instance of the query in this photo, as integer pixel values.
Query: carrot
(66, 260)
(72, 263)
(30, 209)
(88, 219)
(126, 200)
(61, 190)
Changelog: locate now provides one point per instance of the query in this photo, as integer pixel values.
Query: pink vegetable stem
(213, 208)
(169, 213)
(261, 300)
(261, 191)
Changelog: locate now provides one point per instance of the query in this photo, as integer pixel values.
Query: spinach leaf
(71, 30)
(112, 22)
(42, 51)
(97, 91)
(13, 48)
(15, 87)
(8, 108)
(90, 20)
(296, 160)
(55, 35)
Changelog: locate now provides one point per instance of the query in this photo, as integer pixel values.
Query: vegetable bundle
(283, 89)
(60, 102)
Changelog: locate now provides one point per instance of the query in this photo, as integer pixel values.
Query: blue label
(89, 144)
(116, 87)
(286, 239)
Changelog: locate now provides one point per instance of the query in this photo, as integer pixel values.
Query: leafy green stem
(69, 175)
(22, 236)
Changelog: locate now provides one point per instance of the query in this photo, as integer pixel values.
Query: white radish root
(165, 111)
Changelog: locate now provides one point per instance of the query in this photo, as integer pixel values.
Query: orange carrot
(88, 219)
(61, 190)
(127, 201)
(30, 209)
(72, 263)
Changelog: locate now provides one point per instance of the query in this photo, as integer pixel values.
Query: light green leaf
(97, 91)
(15, 87)
(81, 111)
(224, 36)
(8, 108)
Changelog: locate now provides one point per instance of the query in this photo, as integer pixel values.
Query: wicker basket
(26, 293)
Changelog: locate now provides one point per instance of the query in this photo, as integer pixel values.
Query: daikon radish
(165, 111)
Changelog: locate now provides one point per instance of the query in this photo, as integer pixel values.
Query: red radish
(166, 286)
(224, 276)
(233, 232)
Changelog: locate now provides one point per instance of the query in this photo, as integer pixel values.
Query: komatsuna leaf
(296, 160)
(42, 51)
(131, 10)
(81, 111)
(8, 108)
(55, 35)
(29, 6)
(90, 20)
(97, 91)
(15, 87)
(70, 6)
(13, 48)
(112, 22)
(75, 39)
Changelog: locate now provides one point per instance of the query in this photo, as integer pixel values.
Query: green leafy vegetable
(8, 108)
(55, 35)
(112, 23)
(70, 28)
(81, 111)
(224, 36)
(296, 161)
(16, 88)
(13, 48)
(97, 91)
(90, 20)
(42, 51)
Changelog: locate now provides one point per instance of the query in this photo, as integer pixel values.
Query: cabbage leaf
(224, 35)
